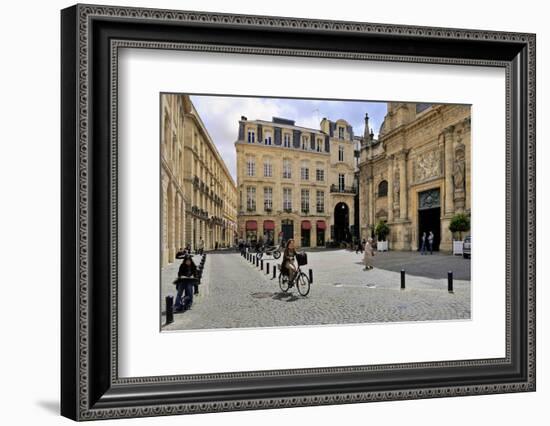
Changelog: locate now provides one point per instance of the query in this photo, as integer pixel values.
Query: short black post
(310, 276)
(402, 279)
(450, 281)
(169, 310)
(274, 271)
(262, 266)
(267, 268)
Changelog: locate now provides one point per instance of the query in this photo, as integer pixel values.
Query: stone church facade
(416, 175)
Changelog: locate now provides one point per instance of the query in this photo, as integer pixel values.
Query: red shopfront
(251, 227)
(321, 226)
(306, 233)
(269, 232)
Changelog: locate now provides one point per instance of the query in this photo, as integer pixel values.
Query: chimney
(243, 118)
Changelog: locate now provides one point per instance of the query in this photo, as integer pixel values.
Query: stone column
(164, 220)
(370, 203)
(403, 185)
(447, 136)
(171, 222)
(177, 221)
(390, 189)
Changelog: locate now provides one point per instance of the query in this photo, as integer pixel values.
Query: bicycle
(269, 251)
(300, 279)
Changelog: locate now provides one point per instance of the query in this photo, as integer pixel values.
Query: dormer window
(267, 138)
(319, 146)
(286, 140)
(304, 142)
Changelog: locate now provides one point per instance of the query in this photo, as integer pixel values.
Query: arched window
(383, 188)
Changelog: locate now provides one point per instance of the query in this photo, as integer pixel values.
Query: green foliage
(381, 230)
(459, 223)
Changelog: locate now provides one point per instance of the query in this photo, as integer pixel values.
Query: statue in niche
(396, 184)
(459, 172)
(459, 178)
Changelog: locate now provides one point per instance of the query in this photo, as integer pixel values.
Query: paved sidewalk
(235, 294)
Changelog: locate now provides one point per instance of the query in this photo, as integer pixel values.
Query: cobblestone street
(235, 294)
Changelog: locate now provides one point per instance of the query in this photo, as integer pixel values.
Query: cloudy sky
(221, 115)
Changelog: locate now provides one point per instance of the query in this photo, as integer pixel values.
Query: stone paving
(235, 294)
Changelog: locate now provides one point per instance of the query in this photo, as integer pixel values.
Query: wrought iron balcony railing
(343, 189)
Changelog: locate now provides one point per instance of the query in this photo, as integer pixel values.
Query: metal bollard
(169, 310)
(262, 264)
(274, 271)
(402, 279)
(310, 276)
(267, 268)
(450, 281)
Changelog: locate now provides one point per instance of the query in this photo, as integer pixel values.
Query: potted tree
(381, 231)
(460, 223)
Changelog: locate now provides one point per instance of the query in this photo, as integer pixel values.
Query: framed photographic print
(313, 212)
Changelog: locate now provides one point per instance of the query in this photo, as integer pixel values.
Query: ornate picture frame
(91, 38)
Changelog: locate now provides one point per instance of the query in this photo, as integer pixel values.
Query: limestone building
(295, 182)
(199, 196)
(416, 176)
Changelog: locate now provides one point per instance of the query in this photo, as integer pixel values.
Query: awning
(321, 224)
(306, 224)
(269, 225)
(251, 225)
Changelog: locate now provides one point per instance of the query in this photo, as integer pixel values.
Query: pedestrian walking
(201, 246)
(423, 244)
(369, 254)
(187, 274)
(431, 242)
(360, 246)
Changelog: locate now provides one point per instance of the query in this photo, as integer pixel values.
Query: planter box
(458, 247)
(382, 246)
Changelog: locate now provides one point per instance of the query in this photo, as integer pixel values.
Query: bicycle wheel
(276, 254)
(303, 284)
(283, 283)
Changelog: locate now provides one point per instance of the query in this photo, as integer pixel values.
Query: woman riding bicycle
(288, 267)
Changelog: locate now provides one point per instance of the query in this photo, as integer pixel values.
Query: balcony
(343, 189)
(203, 214)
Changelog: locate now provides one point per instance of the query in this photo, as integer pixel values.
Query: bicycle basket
(301, 258)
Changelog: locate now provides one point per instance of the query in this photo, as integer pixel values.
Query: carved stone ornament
(427, 166)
